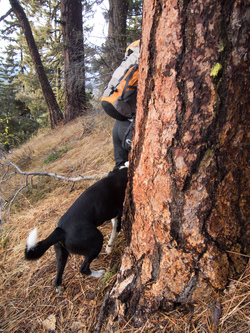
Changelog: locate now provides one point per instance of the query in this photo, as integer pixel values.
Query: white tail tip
(32, 239)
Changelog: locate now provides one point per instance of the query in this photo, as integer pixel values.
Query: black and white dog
(77, 231)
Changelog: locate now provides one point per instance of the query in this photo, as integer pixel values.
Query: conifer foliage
(53, 68)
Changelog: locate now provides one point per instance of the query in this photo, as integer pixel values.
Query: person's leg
(121, 154)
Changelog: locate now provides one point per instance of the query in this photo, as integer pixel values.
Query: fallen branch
(49, 174)
(8, 173)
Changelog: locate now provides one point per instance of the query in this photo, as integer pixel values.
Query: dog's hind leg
(116, 222)
(85, 270)
(61, 258)
(94, 248)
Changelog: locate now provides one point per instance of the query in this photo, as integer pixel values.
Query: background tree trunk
(118, 11)
(53, 108)
(186, 202)
(74, 67)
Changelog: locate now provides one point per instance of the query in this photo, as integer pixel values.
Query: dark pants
(119, 130)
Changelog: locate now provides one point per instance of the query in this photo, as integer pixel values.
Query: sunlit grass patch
(56, 155)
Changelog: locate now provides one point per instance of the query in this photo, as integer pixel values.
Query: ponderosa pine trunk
(53, 108)
(74, 67)
(118, 11)
(186, 215)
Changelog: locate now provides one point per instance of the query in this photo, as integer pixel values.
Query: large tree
(117, 41)
(74, 68)
(186, 211)
(124, 27)
(53, 108)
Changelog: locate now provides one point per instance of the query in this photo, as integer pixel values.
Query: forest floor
(28, 299)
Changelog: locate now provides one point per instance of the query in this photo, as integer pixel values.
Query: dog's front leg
(114, 233)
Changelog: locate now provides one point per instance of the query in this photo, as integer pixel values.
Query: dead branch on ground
(11, 170)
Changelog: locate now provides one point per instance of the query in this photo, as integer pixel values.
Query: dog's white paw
(109, 249)
(59, 289)
(97, 274)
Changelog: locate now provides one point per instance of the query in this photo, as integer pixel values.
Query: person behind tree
(119, 102)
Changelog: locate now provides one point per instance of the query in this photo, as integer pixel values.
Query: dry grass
(28, 300)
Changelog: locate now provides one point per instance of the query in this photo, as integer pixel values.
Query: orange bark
(185, 208)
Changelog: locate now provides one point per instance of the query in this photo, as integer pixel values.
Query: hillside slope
(28, 296)
(28, 299)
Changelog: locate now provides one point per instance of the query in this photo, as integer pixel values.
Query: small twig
(6, 14)
(102, 313)
(232, 312)
(16, 194)
(240, 254)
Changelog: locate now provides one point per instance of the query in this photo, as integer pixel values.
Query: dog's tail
(35, 250)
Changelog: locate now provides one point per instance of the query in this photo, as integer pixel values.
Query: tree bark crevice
(145, 75)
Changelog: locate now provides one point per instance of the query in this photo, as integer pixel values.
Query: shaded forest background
(77, 71)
